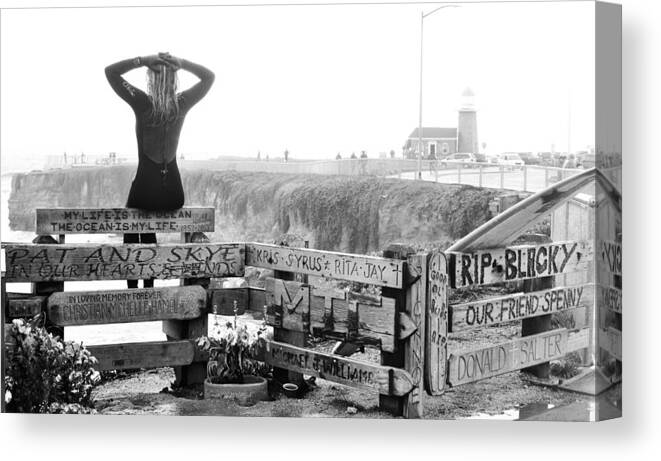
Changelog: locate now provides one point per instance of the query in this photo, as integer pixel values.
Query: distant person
(353, 155)
(363, 162)
(286, 155)
(392, 153)
(267, 157)
(570, 162)
(259, 156)
(159, 118)
(338, 156)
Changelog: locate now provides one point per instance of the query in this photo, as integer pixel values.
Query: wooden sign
(611, 341)
(20, 305)
(124, 306)
(610, 298)
(154, 354)
(356, 268)
(330, 312)
(37, 263)
(466, 367)
(123, 220)
(436, 324)
(354, 373)
(520, 262)
(611, 256)
(519, 306)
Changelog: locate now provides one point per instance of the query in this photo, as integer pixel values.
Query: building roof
(434, 132)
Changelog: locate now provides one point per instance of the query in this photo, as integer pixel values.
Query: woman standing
(159, 117)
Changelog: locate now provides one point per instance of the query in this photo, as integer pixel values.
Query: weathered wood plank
(126, 306)
(334, 313)
(611, 341)
(436, 345)
(519, 306)
(256, 299)
(507, 226)
(123, 220)
(414, 346)
(222, 300)
(610, 298)
(356, 268)
(143, 355)
(73, 262)
(611, 256)
(354, 373)
(470, 366)
(24, 305)
(519, 262)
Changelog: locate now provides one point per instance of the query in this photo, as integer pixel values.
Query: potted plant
(232, 371)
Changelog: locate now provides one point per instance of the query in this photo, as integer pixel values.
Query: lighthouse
(467, 125)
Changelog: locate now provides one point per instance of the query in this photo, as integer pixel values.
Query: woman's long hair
(163, 94)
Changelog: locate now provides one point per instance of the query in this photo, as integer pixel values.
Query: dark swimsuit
(157, 183)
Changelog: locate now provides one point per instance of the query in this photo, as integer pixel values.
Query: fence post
(480, 178)
(436, 324)
(409, 353)
(459, 174)
(525, 178)
(295, 338)
(546, 177)
(539, 324)
(48, 288)
(196, 372)
(502, 177)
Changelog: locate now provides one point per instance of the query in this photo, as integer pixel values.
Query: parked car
(480, 158)
(510, 160)
(529, 158)
(465, 159)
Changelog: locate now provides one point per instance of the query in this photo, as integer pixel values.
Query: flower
(231, 352)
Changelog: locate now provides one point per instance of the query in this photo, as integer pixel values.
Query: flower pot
(252, 390)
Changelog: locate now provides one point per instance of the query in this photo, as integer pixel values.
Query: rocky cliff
(342, 213)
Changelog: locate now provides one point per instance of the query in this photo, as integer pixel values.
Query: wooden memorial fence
(410, 322)
(393, 322)
(48, 263)
(490, 255)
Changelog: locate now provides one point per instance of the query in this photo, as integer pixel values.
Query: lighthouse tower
(467, 126)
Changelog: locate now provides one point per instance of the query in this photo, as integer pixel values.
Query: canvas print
(335, 210)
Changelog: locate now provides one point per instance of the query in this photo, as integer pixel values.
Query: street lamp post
(423, 15)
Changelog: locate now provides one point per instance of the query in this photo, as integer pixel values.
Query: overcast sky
(316, 80)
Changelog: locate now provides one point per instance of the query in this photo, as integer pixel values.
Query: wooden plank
(611, 341)
(123, 220)
(331, 313)
(143, 355)
(222, 300)
(356, 268)
(610, 298)
(507, 226)
(519, 262)
(20, 305)
(466, 367)
(73, 262)
(354, 373)
(414, 346)
(126, 306)
(436, 336)
(519, 306)
(611, 256)
(256, 299)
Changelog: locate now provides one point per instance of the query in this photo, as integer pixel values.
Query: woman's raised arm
(124, 89)
(192, 95)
